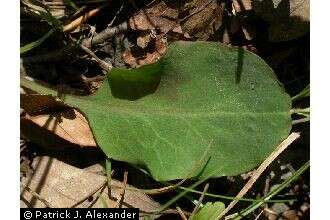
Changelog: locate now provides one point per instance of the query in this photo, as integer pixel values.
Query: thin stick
(117, 13)
(105, 34)
(301, 120)
(258, 216)
(292, 137)
(199, 201)
(83, 18)
(182, 215)
(104, 65)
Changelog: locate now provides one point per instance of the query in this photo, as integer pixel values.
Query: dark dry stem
(182, 215)
(105, 34)
(83, 18)
(199, 201)
(104, 65)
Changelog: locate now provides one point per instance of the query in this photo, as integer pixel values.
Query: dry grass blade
(292, 137)
(199, 201)
(83, 18)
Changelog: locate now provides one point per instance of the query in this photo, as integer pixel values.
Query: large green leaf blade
(201, 96)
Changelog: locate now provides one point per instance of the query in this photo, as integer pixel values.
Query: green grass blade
(36, 43)
(304, 93)
(232, 198)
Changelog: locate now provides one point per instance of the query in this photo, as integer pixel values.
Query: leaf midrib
(182, 114)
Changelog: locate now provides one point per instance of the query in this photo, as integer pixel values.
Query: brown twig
(83, 18)
(104, 65)
(84, 2)
(105, 34)
(182, 215)
(292, 137)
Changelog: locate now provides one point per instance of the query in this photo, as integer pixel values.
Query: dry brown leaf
(143, 40)
(58, 183)
(203, 19)
(50, 123)
(149, 57)
(129, 59)
(58, 130)
(242, 5)
(133, 197)
(158, 16)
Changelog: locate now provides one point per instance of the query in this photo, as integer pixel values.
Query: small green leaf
(210, 211)
(165, 115)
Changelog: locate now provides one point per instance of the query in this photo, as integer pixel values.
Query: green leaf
(200, 95)
(210, 211)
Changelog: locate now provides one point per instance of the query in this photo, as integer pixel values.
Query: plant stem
(301, 120)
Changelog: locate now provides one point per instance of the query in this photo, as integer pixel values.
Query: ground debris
(63, 185)
(158, 16)
(204, 18)
(137, 57)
